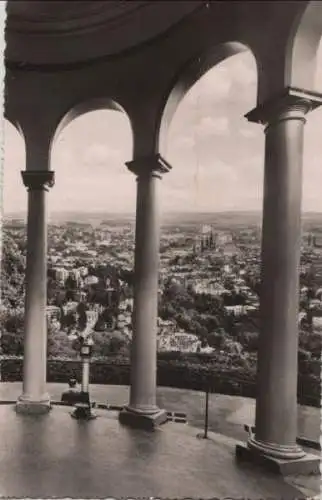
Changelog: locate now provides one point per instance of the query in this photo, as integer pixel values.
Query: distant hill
(94, 218)
(214, 218)
(311, 220)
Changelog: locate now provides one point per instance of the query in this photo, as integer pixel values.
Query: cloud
(185, 142)
(318, 73)
(215, 164)
(207, 128)
(90, 192)
(101, 154)
(214, 85)
(219, 82)
(248, 132)
(210, 126)
(243, 70)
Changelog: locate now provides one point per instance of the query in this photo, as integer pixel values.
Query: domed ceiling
(63, 32)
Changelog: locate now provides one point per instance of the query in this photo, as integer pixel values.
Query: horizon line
(174, 212)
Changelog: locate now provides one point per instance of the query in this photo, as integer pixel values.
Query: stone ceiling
(63, 32)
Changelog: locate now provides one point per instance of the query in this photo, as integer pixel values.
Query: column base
(140, 420)
(274, 450)
(27, 406)
(306, 464)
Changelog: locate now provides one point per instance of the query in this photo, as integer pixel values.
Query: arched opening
(91, 224)
(14, 192)
(90, 148)
(209, 119)
(310, 340)
(304, 60)
(13, 242)
(212, 204)
(91, 229)
(301, 59)
(313, 150)
(188, 77)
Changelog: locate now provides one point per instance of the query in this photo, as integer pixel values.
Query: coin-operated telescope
(83, 407)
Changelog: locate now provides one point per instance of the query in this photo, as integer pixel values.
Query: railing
(171, 373)
(210, 388)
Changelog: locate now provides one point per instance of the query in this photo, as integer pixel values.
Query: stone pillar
(276, 404)
(34, 398)
(142, 410)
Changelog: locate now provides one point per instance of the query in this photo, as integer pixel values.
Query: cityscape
(209, 286)
(161, 250)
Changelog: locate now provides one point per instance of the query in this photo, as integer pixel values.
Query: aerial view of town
(161, 249)
(209, 286)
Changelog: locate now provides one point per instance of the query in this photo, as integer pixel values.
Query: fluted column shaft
(276, 405)
(34, 397)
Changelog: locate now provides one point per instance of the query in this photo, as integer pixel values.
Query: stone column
(142, 410)
(34, 398)
(276, 404)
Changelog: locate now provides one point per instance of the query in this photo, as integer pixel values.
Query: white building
(239, 310)
(69, 307)
(90, 280)
(179, 341)
(53, 312)
(61, 274)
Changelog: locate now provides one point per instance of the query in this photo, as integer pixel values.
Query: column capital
(38, 179)
(153, 165)
(291, 103)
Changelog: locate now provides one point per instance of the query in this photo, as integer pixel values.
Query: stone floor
(227, 414)
(55, 455)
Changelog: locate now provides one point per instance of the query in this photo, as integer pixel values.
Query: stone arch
(13, 192)
(303, 45)
(189, 75)
(13, 123)
(81, 108)
(91, 142)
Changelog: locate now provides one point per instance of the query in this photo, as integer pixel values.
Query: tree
(166, 311)
(117, 344)
(217, 338)
(59, 345)
(249, 340)
(239, 299)
(109, 316)
(311, 342)
(82, 319)
(210, 322)
(70, 283)
(13, 321)
(12, 343)
(52, 288)
(232, 346)
(69, 320)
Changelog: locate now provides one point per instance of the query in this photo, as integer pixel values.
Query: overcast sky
(216, 155)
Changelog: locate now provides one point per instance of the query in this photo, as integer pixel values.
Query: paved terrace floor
(54, 455)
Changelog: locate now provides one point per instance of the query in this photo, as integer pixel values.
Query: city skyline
(216, 155)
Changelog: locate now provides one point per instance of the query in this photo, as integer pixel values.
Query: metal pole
(83, 407)
(85, 375)
(206, 412)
